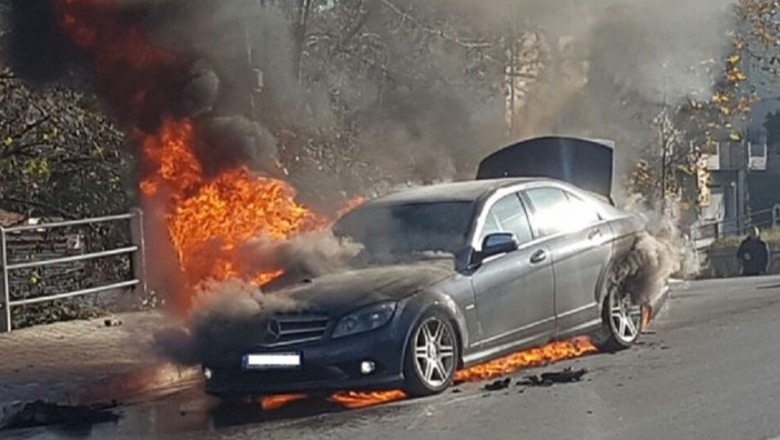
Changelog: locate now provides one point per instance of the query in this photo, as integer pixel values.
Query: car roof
(468, 191)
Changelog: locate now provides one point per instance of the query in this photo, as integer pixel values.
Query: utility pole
(254, 71)
(251, 67)
(743, 207)
(665, 151)
(509, 76)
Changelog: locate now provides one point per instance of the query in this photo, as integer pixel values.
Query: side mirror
(500, 243)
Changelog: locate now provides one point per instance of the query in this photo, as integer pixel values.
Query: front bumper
(329, 365)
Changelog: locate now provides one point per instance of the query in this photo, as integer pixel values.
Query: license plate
(272, 361)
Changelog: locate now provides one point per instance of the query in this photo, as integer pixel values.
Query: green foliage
(58, 156)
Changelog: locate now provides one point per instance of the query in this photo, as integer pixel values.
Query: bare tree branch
(32, 126)
(437, 32)
(361, 21)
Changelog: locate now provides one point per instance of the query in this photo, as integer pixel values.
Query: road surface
(709, 370)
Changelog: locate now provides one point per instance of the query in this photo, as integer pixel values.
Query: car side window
(508, 215)
(585, 213)
(557, 212)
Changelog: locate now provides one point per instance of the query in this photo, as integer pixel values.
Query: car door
(581, 247)
(514, 291)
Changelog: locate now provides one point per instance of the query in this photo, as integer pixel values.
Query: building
(724, 190)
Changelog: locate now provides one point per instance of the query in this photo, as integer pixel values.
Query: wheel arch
(434, 301)
(621, 249)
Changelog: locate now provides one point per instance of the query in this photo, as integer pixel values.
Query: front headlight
(365, 319)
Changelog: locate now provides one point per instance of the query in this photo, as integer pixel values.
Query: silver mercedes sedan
(449, 276)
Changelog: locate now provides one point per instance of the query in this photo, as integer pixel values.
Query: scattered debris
(498, 384)
(40, 413)
(548, 379)
(457, 390)
(112, 322)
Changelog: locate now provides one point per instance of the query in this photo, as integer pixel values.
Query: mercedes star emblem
(273, 331)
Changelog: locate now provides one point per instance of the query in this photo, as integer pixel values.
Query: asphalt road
(710, 369)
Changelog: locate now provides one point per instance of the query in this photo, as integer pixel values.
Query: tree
(58, 157)
(59, 154)
(720, 117)
(61, 157)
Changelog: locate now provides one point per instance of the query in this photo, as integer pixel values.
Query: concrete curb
(113, 388)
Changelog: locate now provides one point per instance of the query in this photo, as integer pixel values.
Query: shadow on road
(230, 413)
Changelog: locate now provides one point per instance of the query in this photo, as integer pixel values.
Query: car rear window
(555, 212)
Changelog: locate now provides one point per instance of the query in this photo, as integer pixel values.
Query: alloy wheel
(625, 317)
(434, 352)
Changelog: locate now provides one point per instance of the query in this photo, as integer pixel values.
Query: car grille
(295, 328)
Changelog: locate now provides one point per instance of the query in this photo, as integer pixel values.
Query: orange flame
(135, 75)
(270, 403)
(554, 352)
(535, 357)
(355, 400)
(207, 217)
(647, 316)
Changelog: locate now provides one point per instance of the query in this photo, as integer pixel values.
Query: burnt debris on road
(567, 375)
(40, 413)
(498, 384)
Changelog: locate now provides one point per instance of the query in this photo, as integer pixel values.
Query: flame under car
(450, 276)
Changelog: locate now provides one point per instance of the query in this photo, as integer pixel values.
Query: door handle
(538, 256)
(594, 233)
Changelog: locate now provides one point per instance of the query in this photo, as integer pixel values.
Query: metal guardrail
(736, 226)
(137, 251)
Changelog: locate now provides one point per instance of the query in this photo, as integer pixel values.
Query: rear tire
(621, 321)
(432, 355)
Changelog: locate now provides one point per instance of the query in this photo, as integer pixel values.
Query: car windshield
(409, 230)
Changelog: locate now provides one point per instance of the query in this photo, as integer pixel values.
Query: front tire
(621, 321)
(432, 355)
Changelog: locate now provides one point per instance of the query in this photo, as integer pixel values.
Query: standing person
(753, 253)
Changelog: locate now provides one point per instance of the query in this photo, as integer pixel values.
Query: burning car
(450, 276)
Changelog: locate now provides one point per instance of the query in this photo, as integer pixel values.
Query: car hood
(586, 163)
(345, 291)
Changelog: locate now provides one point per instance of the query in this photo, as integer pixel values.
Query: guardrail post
(5, 311)
(775, 216)
(139, 256)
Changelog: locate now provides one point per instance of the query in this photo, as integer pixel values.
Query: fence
(136, 250)
(704, 234)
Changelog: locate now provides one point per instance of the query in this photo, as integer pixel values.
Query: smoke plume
(663, 251)
(305, 256)
(226, 318)
(421, 87)
(399, 89)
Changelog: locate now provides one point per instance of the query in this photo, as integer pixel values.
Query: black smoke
(36, 48)
(189, 87)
